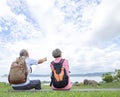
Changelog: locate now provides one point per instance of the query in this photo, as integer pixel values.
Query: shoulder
(31, 61)
(65, 61)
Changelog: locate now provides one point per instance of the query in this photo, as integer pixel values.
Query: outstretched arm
(42, 60)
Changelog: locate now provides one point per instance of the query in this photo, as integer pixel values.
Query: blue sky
(87, 32)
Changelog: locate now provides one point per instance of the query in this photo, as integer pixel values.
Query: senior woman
(57, 54)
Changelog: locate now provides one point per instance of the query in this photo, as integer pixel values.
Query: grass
(102, 85)
(5, 93)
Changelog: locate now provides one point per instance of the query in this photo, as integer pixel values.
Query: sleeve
(31, 62)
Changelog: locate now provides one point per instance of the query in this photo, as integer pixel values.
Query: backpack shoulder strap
(61, 61)
(52, 62)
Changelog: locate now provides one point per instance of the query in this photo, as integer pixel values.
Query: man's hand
(45, 59)
(42, 60)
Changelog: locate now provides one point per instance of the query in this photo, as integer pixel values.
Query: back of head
(24, 53)
(56, 53)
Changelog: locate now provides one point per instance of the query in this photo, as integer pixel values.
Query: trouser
(34, 84)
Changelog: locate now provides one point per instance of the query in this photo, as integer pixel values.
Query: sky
(87, 32)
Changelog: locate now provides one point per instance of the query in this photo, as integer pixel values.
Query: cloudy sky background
(87, 32)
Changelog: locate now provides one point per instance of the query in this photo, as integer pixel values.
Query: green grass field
(4, 91)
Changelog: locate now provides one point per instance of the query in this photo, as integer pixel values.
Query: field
(6, 91)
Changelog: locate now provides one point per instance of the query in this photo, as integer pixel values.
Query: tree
(107, 77)
(117, 73)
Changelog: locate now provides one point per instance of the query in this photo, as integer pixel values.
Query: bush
(107, 77)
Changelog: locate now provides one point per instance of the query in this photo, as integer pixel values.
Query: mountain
(72, 75)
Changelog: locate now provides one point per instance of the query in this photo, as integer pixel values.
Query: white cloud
(106, 21)
(4, 9)
(73, 39)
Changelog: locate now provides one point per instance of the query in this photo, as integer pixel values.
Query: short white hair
(56, 53)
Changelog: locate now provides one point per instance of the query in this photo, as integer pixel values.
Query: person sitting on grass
(29, 84)
(60, 78)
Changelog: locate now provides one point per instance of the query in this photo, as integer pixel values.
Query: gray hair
(56, 53)
(24, 53)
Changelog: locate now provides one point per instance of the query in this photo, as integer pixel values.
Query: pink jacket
(66, 66)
